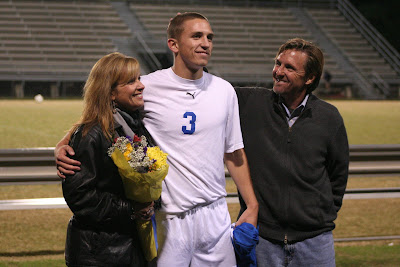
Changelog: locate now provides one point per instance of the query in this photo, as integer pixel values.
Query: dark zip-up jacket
(299, 173)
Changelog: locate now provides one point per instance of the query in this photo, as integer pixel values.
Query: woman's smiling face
(129, 96)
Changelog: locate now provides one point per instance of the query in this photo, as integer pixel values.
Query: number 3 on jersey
(192, 121)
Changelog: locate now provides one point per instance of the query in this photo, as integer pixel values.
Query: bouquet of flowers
(142, 170)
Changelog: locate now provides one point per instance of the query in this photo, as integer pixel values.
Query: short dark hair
(315, 62)
(175, 26)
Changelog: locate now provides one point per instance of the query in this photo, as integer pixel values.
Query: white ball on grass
(38, 98)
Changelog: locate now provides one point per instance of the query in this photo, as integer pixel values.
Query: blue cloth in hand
(244, 240)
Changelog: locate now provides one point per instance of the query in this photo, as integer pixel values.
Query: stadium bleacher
(59, 41)
(246, 40)
(45, 40)
(352, 44)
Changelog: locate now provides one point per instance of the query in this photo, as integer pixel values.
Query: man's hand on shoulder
(65, 165)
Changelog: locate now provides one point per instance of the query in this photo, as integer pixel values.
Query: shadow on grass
(31, 253)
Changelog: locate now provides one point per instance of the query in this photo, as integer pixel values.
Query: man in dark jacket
(298, 155)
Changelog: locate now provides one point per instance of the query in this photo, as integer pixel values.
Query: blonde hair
(108, 72)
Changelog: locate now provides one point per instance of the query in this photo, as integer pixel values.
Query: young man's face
(195, 43)
(289, 73)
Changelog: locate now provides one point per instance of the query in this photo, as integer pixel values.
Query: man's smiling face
(289, 73)
(195, 43)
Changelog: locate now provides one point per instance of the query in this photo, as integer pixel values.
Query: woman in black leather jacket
(102, 230)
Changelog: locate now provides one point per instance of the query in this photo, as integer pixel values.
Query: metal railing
(380, 83)
(370, 33)
(42, 158)
(37, 165)
(150, 56)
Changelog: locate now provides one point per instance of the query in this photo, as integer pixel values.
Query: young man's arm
(65, 165)
(237, 165)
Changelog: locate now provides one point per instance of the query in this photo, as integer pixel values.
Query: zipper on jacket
(289, 139)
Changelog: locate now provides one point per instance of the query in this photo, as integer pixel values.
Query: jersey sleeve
(233, 139)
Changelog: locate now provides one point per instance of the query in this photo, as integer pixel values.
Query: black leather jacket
(101, 231)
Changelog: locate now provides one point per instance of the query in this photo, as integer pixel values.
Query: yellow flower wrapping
(147, 239)
(141, 187)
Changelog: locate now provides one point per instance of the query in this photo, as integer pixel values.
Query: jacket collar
(311, 102)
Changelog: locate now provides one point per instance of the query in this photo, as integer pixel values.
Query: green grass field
(36, 237)
(371, 122)
(25, 123)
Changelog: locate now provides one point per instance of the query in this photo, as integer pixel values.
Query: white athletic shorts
(198, 237)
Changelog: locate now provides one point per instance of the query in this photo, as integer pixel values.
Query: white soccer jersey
(195, 122)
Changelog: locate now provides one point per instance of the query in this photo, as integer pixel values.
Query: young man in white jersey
(193, 116)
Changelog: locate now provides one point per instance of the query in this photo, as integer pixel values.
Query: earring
(113, 107)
